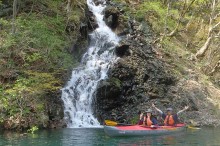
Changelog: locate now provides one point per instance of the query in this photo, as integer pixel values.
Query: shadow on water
(93, 137)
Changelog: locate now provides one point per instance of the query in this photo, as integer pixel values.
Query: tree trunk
(68, 8)
(204, 48)
(167, 15)
(175, 30)
(15, 2)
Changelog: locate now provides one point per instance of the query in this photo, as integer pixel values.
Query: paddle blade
(110, 123)
(194, 128)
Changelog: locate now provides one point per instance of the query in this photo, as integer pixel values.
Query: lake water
(93, 137)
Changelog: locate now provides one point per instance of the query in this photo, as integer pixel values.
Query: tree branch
(215, 68)
(203, 49)
(14, 15)
(216, 16)
(216, 25)
(182, 14)
(210, 36)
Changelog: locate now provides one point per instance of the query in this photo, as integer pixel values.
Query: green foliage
(202, 1)
(155, 12)
(34, 82)
(33, 57)
(26, 97)
(33, 129)
(75, 17)
(38, 39)
(117, 1)
(47, 31)
(53, 5)
(134, 120)
(75, 13)
(36, 53)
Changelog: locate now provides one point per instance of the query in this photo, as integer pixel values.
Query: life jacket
(148, 121)
(169, 120)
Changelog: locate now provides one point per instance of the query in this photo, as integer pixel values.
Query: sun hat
(148, 111)
(169, 109)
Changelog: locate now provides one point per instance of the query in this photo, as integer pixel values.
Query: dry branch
(211, 35)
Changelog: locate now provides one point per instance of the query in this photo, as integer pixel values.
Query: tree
(69, 8)
(182, 14)
(15, 3)
(213, 32)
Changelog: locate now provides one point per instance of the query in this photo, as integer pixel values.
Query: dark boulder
(55, 111)
(108, 97)
(111, 17)
(92, 24)
(122, 50)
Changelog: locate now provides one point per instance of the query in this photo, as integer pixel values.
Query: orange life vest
(169, 120)
(148, 121)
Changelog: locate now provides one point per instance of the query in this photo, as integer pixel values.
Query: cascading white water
(79, 92)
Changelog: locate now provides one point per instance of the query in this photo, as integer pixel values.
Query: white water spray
(79, 93)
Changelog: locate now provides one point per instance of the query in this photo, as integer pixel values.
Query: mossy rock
(116, 82)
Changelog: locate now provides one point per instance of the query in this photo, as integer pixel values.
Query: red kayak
(139, 130)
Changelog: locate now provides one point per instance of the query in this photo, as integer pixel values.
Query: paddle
(113, 123)
(161, 127)
(192, 127)
(152, 127)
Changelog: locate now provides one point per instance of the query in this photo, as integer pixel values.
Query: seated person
(149, 120)
(170, 119)
(141, 118)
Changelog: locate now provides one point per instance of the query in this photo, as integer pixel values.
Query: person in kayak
(149, 119)
(141, 118)
(169, 118)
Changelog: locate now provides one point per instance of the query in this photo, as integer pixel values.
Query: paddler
(141, 118)
(149, 120)
(169, 118)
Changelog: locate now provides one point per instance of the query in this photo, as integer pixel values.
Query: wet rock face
(111, 17)
(92, 24)
(122, 50)
(140, 77)
(97, 2)
(55, 111)
(202, 111)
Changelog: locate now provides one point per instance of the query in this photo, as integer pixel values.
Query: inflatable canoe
(138, 130)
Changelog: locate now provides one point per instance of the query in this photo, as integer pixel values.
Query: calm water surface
(93, 137)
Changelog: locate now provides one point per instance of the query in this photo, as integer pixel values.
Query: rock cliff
(143, 76)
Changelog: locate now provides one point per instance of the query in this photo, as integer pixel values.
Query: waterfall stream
(79, 92)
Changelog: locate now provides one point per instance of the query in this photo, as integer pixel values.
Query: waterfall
(79, 92)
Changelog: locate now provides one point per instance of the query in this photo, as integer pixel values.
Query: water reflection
(97, 137)
(150, 140)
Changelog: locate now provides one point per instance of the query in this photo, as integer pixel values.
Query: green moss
(116, 82)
